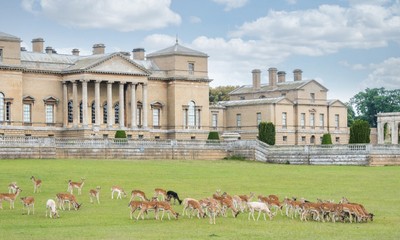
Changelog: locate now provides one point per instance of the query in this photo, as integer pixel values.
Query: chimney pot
(37, 45)
(281, 76)
(75, 52)
(49, 50)
(138, 53)
(297, 74)
(99, 48)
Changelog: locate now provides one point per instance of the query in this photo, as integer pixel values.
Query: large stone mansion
(161, 95)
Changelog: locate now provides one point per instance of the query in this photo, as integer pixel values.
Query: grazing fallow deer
(119, 190)
(9, 197)
(95, 193)
(67, 197)
(77, 185)
(160, 192)
(28, 202)
(37, 184)
(166, 207)
(51, 207)
(139, 194)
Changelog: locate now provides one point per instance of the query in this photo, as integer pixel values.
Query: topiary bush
(266, 133)
(359, 132)
(213, 137)
(326, 139)
(120, 137)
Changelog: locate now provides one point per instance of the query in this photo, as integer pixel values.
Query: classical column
(109, 104)
(75, 104)
(145, 105)
(84, 103)
(65, 104)
(395, 134)
(133, 106)
(97, 102)
(121, 105)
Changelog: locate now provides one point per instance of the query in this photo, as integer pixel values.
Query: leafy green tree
(359, 132)
(266, 133)
(220, 93)
(326, 138)
(373, 101)
(351, 115)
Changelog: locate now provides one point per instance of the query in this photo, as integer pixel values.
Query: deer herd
(218, 204)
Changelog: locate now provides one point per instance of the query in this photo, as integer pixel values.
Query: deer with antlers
(77, 185)
(9, 197)
(37, 184)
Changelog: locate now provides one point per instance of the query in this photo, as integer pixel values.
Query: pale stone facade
(299, 110)
(388, 128)
(161, 95)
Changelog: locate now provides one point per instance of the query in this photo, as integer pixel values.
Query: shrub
(266, 133)
(326, 138)
(120, 134)
(359, 132)
(213, 136)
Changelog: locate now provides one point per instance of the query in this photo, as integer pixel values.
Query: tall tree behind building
(220, 93)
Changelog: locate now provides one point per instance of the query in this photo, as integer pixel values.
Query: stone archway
(388, 128)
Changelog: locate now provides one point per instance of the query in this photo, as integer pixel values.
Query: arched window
(312, 139)
(93, 112)
(70, 111)
(105, 112)
(1, 107)
(116, 113)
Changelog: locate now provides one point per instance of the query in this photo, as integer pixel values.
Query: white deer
(120, 191)
(51, 207)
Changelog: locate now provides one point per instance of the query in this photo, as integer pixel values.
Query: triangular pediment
(119, 65)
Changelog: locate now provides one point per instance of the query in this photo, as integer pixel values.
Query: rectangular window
(238, 120)
(139, 116)
(321, 121)
(312, 95)
(49, 113)
(312, 120)
(198, 124)
(258, 119)
(8, 111)
(284, 138)
(337, 139)
(303, 120)
(191, 68)
(303, 138)
(337, 121)
(156, 117)
(284, 120)
(27, 113)
(215, 120)
(1, 54)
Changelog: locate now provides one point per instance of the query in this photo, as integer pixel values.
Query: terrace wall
(51, 148)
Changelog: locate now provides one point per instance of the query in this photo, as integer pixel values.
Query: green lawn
(377, 188)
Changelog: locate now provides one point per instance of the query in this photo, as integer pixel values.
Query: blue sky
(347, 45)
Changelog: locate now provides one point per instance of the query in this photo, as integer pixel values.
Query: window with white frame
(312, 120)
(238, 120)
(191, 68)
(284, 120)
(191, 120)
(258, 119)
(303, 120)
(214, 120)
(156, 117)
(139, 114)
(49, 113)
(337, 121)
(27, 112)
(321, 121)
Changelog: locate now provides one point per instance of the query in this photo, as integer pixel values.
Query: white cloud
(195, 19)
(231, 4)
(385, 74)
(291, 2)
(356, 66)
(121, 15)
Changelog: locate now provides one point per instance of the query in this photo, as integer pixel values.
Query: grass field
(377, 188)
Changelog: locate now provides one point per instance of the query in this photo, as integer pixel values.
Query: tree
(351, 115)
(373, 101)
(326, 138)
(220, 93)
(359, 132)
(266, 133)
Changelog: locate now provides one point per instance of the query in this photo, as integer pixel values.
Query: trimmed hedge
(326, 139)
(359, 132)
(213, 136)
(120, 134)
(266, 133)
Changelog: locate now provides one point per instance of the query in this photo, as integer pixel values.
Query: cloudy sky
(347, 45)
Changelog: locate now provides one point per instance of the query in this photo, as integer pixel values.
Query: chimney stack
(37, 45)
(272, 76)
(256, 79)
(49, 50)
(281, 76)
(75, 52)
(99, 48)
(138, 53)
(297, 74)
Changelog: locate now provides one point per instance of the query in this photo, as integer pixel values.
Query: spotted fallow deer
(95, 193)
(9, 197)
(139, 194)
(160, 192)
(28, 202)
(37, 184)
(62, 198)
(119, 190)
(77, 185)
